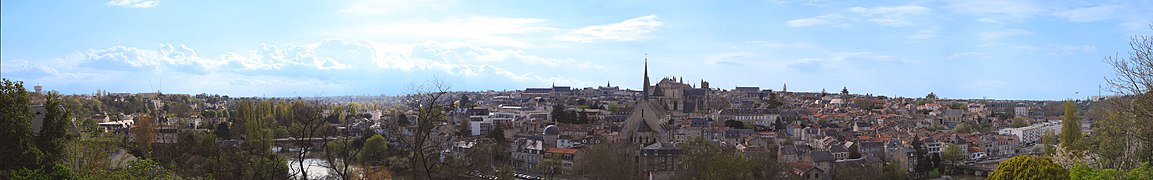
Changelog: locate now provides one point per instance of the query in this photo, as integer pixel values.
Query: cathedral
(652, 117)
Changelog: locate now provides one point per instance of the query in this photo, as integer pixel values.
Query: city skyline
(956, 49)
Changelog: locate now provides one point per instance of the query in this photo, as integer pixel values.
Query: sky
(999, 49)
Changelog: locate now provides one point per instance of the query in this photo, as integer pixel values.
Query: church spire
(645, 88)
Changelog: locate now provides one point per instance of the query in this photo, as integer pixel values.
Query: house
(808, 171)
(823, 160)
(565, 157)
(659, 159)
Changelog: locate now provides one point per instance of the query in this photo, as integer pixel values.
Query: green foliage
(19, 149)
(935, 173)
(893, 170)
(1019, 122)
(375, 151)
(607, 161)
(56, 171)
(1070, 126)
(1029, 167)
(1048, 139)
(1082, 171)
(952, 154)
(54, 132)
(497, 133)
(701, 159)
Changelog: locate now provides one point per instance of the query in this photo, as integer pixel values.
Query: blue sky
(1004, 49)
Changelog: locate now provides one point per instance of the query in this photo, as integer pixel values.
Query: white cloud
(1055, 49)
(133, 3)
(629, 30)
(969, 55)
(924, 34)
(377, 7)
(819, 20)
(997, 35)
(891, 15)
(477, 30)
(861, 56)
(997, 11)
(1088, 14)
(1066, 49)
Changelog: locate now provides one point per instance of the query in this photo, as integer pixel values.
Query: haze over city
(957, 49)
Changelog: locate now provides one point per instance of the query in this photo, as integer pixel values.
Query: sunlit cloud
(133, 3)
(629, 30)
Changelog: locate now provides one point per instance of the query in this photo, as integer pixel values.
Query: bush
(934, 173)
(1029, 167)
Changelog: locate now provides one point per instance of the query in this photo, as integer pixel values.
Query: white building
(1032, 134)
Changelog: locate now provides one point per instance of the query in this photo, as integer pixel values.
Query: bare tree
(342, 153)
(1133, 82)
(307, 125)
(431, 134)
(608, 161)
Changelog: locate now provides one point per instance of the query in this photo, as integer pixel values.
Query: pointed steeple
(645, 88)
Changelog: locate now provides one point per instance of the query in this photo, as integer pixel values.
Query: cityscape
(576, 90)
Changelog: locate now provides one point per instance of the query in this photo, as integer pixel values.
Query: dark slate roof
(538, 90)
(657, 91)
(838, 149)
(789, 150)
(753, 89)
(695, 92)
(749, 111)
(822, 156)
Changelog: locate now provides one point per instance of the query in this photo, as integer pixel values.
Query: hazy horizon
(1026, 50)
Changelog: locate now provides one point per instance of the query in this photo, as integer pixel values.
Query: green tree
(845, 90)
(497, 133)
(1048, 139)
(893, 170)
(1029, 167)
(952, 154)
(1070, 126)
(375, 151)
(20, 149)
(54, 131)
(701, 159)
(1019, 122)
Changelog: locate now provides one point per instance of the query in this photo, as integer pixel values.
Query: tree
(1070, 126)
(1048, 139)
(845, 90)
(952, 155)
(1019, 122)
(222, 131)
(497, 133)
(607, 161)
(19, 150)
(423, 143)
(920, 157)
(144, 132)
(54, 131)
(1029, 167)
(1134, 105)
(375, 151)
(701, 159)
(893, 170)
(307, 121)
(931, 96)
